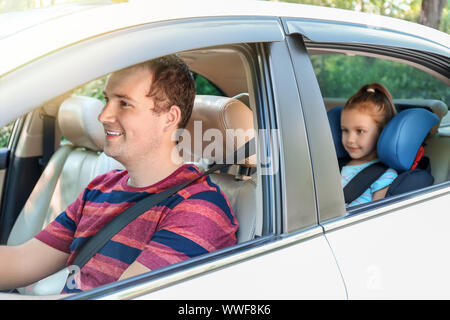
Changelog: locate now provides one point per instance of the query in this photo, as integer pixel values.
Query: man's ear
(173, 118)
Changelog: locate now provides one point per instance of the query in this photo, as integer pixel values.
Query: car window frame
(229, 37)
(329, 220)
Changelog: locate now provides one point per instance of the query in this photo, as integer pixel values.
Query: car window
(339, 76)
(210, 95)
(5, 134)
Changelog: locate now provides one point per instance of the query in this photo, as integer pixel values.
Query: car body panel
(296, 278)
(399, 253)
(234, 277)
(367, 33)
(299, 210)
(329, 195)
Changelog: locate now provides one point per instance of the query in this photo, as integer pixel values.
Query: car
(285, 66)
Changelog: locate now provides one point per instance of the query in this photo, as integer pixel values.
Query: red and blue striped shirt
(196, 220)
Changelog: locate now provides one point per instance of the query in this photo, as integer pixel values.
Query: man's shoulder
(202, 187)
(204, 193)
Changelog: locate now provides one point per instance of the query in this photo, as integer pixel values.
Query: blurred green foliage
(92, 89)
(401, 9)
(5, 133)
(340, 76)
(204, 86)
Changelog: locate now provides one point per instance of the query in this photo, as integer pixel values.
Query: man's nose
(107, 115)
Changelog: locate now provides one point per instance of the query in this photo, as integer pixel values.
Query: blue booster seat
(400, 147)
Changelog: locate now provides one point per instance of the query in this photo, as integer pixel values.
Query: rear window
(340, 76)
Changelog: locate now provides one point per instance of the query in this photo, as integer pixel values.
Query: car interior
(78, 158)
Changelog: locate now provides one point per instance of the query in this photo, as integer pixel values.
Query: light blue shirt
(348, 172)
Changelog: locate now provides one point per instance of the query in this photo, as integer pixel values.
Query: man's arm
(133, 270)
(29, 262)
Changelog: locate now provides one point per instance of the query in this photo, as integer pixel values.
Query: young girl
(363, 118)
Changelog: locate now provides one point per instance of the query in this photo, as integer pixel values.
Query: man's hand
(29, 262)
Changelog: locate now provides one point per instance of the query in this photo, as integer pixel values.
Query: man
(145, 105)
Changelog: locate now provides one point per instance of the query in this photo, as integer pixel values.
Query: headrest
(219, 126)
(436, 106)
(77, 119)
(402, 137)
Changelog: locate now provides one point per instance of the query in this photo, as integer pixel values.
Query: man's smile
(111, 133)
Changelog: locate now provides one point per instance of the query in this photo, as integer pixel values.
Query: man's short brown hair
(172, 84)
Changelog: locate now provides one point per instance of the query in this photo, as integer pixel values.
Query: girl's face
(359, 135)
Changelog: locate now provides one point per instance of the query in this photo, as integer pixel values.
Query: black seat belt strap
(48, 139)
(99, 240)
(363, 180)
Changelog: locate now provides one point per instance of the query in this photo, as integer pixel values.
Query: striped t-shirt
(348, 172)
(196, 220)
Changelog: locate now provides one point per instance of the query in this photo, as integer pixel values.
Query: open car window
(339, 77)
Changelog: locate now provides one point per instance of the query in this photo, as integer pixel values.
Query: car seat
(68, 172)
(399, 147)
(231, 121)
(76, 163)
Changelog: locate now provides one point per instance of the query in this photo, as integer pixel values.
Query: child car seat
(400, 147)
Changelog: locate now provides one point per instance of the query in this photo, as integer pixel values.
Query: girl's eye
(344, 130)
(124, 103)
(360, 131)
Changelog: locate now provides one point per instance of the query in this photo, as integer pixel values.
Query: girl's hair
(375, 99)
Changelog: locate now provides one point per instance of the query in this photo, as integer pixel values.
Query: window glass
(92, 89)
(340, 76)
(5, 134)
(204, 86)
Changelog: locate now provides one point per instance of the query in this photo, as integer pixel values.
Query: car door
(291, 259)
(295, 262)
(394, 248)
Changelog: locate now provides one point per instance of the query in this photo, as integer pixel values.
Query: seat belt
(48, 139)
(363, 180)
(99, 240)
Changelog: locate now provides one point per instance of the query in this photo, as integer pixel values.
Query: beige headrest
(440, 109)
(218, 126)
(77, 119)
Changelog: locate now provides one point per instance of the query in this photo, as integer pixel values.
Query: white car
(287, 65)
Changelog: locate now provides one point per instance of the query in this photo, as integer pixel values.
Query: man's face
(359, 135)
(132, 130)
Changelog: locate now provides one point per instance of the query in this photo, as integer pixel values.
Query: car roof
(64, 25)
